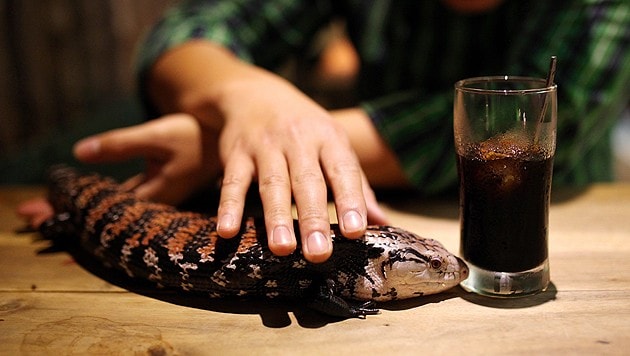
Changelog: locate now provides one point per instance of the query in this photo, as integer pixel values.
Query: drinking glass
(505, 139)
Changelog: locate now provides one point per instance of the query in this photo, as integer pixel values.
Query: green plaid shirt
(413, 51)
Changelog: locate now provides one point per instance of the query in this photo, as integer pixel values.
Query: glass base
(507, 284)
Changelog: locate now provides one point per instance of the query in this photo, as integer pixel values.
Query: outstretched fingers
(237, 177)
(347, 182)
(309, 191)
(181, 155)
(275, 192)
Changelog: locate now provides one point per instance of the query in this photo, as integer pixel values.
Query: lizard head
(404, 265)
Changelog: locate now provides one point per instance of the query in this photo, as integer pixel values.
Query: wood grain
(51, 304)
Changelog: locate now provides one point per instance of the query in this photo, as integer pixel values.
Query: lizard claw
(362, 310)
(325, 301)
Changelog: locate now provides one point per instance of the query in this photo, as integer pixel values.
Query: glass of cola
(505, 138)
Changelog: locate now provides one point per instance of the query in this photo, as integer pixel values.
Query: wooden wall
(61, 58)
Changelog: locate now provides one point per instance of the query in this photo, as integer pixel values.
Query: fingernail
(226, 222)
(281, 236)
(352, 221)
(87, 147)
(317, 243)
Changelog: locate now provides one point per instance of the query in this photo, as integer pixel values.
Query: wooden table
(51, 305)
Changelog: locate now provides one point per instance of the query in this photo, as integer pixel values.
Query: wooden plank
(78, 309)
(85, 322)
(45, 270)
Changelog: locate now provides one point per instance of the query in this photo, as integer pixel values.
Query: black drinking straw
(550, 76)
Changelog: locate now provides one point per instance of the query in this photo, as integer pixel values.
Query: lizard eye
(436, 263)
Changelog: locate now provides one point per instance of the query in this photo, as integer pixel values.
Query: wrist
(192, 78)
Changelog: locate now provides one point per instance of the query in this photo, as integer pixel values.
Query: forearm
(194, 49)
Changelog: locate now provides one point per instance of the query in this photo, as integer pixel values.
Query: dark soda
(504, 202)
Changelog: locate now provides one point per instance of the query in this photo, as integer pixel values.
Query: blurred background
(67, 71)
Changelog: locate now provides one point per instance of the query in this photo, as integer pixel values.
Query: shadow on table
(273, 313)
(276, 313)
(512, 303)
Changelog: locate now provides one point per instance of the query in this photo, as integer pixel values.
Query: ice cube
(506, 173)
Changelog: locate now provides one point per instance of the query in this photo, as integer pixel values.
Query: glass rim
(464, 85)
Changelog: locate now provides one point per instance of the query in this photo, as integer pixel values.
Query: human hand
(35, 211)
(272, 133)
(179, 154)
(293, 148)
(179, 157)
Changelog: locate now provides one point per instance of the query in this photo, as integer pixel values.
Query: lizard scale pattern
(180, 249)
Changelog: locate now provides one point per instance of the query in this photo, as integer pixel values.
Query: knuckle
(308, 177)
(232, 181)
(272, 181)
(233, 190)
(277, 214)
(229, 202)
(344, 168)
(313, 218)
